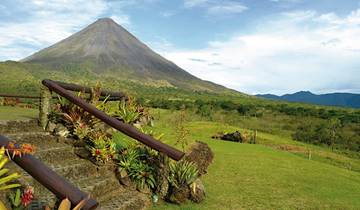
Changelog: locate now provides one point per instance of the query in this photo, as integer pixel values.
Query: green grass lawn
(17, 113)
(245, 176)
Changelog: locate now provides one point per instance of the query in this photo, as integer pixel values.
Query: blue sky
(254, 46)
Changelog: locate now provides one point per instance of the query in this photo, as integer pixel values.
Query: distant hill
(107, 49)
(330, 99)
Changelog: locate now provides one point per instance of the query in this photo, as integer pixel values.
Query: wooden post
(45, 98)
(255, 136)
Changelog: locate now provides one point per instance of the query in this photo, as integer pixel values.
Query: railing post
(45, 98)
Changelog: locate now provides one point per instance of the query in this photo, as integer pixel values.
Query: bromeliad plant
(21, 200)
(89, 129)
(134, 163)
(101, 146)
(182, 173)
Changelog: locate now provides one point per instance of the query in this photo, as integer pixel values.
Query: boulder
(61, 130)
(161, 176)
(197, 191)
(179, 195)
(236, 137)
(201, 155)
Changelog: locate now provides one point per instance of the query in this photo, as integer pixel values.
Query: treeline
(202, 107)
(257, 110)
(331, 133)
(343, 115)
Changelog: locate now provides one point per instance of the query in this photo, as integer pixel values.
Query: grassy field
(17, 113)
(261, 176)
(246, 176)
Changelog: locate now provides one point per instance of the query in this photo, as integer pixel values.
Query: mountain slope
(105, 47)
(332, 99)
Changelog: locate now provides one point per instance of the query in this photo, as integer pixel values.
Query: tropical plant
(181, 131)
(4, 179)
(127, 111)
(15, 199)
(22, 150)
(133, 163)
(101, 146)
(142, 174)
(182, 173)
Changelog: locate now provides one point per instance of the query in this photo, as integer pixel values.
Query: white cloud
(227, 8)
(214, 7)
(193, 3)
(167, 14)
(288, 1)
(301, 50)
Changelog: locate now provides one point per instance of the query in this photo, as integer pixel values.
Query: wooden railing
(48, 178)
(62, 89)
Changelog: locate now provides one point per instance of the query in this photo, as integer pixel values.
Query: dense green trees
(330, 133)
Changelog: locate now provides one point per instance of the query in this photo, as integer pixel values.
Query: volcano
(105, 47)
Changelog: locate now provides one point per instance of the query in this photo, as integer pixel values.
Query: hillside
(330, 99)
(107, 49)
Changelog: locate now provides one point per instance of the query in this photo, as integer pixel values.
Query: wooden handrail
(18, 96)
(115, 123)
(103, 97)
(50, 179)
(75, 87)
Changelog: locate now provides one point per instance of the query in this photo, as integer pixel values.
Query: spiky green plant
(182, 173)
(127, 112)
(4, 178)
(15, 199)
(132, 163)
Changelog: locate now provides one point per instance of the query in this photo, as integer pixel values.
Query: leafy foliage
(182, 173)
(134, 162)
(181, 131)
(329, 133)
(5, 179)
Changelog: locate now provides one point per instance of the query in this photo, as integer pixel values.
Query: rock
(61, 130)
(125, 181)
(179, 195)
(82, 152)
(197, 191)
(50, 127)
(236, 137)
(201, 155)
(162, 175)
(145, 189)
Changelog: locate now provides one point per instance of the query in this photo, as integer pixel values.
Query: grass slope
(17, 113)
(245, 176)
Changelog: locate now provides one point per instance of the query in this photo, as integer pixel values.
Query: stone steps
(128, 200)
(99, 182)
(29, 125)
